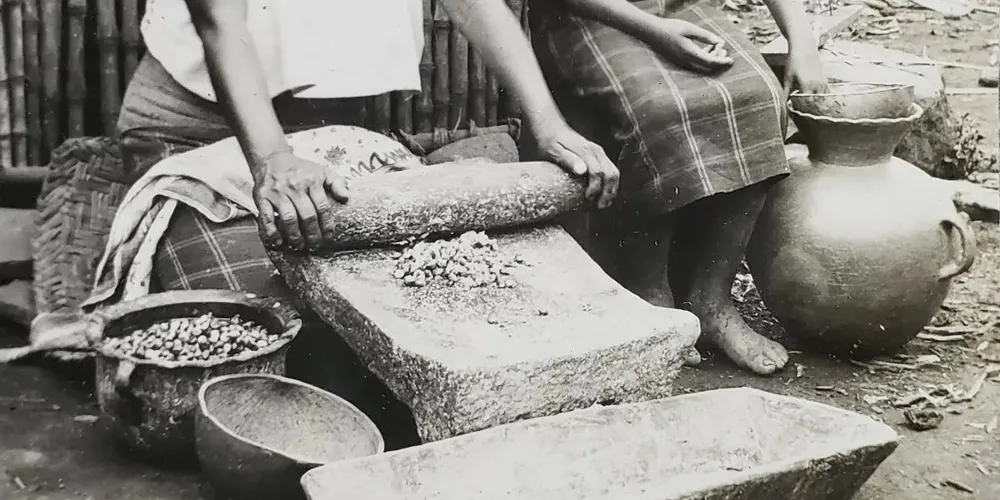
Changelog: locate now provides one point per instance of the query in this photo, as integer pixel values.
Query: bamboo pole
(477, 89)
(51, 63)
(441, 93)
(382, 111)
(76, 77)
(424, 105)
(6, 144)
(108, 43)
(131, 38)
(402, 109)
(33, 81)
(492, 98)
(459, 65)
(15, 74)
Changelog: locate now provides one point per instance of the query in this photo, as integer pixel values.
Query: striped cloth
(680, 136)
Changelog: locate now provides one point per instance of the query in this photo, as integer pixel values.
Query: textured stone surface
(726, 444)
(929, 140)
(565, 337)
(497, 147)
(17, 302)
(452, 198)
(18, 231)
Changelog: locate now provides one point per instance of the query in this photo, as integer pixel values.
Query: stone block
(499, 148)
(726, 444)
(17, 303)
(565, 337)
(19, 227)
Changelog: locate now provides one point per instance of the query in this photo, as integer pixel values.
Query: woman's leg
(714, 235)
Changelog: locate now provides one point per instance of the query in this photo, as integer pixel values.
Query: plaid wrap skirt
(679, 136)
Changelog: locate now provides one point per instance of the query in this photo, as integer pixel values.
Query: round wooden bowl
(256, 435)
(857, 101)
(151, 404)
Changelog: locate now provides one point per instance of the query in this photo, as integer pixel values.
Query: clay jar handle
(955, 225)
(123, 376)
(128, 408)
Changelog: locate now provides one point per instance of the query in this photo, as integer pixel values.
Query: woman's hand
(292, 197)
(677, 41)
(804, 70)
(568, 149)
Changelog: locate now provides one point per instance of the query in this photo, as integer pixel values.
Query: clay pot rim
(291, 330)
(883, 87)
(915, 113)
(282, 342)
(367, 422)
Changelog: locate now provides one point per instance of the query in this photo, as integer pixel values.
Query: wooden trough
(727, 444)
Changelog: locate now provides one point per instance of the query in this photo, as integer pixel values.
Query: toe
(778, 355)
(762, 365)
(692, 357)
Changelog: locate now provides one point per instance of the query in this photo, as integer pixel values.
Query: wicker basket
(77, 205)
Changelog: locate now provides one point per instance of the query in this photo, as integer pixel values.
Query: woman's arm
(670, 38)
(238, 77)
(622, 15)
(792, 21)
(291, 193)
(491, 27)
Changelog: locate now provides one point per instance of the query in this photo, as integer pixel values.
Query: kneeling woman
(696, 119)
(258, 69)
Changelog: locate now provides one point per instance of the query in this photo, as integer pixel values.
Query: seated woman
(258, 69)
(697, 120)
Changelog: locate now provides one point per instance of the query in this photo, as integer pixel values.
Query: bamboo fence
(65, 65)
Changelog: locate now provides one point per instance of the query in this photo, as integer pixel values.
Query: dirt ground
(52, 447)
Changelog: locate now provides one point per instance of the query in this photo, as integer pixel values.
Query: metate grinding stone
(565, 337)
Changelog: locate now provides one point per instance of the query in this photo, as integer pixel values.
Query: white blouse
(315, 48)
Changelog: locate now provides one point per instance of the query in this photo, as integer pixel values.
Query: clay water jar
(857, 100)
(855, 251)
(151, 404)
(258, 434)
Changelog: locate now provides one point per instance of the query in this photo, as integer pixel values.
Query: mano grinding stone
(451, 198)
(564, 337)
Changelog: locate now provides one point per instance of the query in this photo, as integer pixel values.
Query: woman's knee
(196, 253)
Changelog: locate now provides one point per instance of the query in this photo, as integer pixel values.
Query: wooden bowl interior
(128, 323)
(295, 420)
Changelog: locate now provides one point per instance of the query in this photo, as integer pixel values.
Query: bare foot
(747, 348)
(661, 296)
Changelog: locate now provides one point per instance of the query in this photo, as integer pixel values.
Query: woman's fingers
(266, 224)
(288, 222)
(324, 210)
(695, 32)
(337, 186)
(308, 220)
(701, 59)
(603, 173)
(568, 159)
